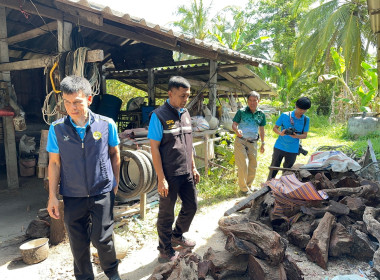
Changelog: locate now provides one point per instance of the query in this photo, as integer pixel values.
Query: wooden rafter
(32, 33)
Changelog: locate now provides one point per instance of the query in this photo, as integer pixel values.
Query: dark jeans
(184, 187)
(278, 155)
(91, 219)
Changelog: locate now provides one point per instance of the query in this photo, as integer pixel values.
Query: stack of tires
(137, 175)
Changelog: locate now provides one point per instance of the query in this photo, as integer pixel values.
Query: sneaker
(245, 193)
(168, 256)
(183, 241)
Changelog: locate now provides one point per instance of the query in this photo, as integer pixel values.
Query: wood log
(371, 219)
(340, 242)
(261, 270)
(317, 248)
(237, 247)
(299, 234)
(334, 208)
(224, 264)
(163, 271)
(363, 191)
(322, 182)
(347, 182)
(293, 272)
(203, 269)
(376, 263)
(57, 227)
(356, 206)
(184, 271)
(363, 248)
(245, 201)
(270, 242)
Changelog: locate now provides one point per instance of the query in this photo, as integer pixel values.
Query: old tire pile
(137, 175)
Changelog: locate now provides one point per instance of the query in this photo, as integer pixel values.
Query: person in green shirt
(248, 124)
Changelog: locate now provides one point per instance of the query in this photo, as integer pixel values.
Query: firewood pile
(344, 221)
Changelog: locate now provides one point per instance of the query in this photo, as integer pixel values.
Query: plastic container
(145, 111)
(35, 251)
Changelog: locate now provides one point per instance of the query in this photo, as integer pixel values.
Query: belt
(248, 140)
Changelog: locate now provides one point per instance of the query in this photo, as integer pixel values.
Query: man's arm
(196, 175)
(115, 162)
(163, 186)
(235, 128)
(54, 176)
(262, 137)
(277, 131)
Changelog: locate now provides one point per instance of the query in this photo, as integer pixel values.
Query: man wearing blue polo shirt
(287, 145)
(84, 160)
(171, 142)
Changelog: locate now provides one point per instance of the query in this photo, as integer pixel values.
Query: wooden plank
(231, 79)
(92, 56)
(242, 203)
(10, 153)
(143, 206)
(212, 86)
(64, 29)
(151, 91)
(32, 33)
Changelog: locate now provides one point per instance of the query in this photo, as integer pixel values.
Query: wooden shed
(34, 33)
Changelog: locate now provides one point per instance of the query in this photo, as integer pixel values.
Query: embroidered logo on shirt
(187, 121)
(169, 122)
(97, 135)
(66, 138)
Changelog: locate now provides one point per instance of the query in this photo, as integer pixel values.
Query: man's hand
(262, 149)
(282, 132)
(196, 175)
(239, 133)
(163, 187)
(53, 207)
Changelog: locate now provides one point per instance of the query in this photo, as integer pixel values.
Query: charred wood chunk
(38, 229)
(376, 263)
(270, 242)
(293, 272)
(322, 182)
(261, 270)
(237, 246)
(347, 182)
(163, 271)
(365, 191)
(318, 246)
(203, 269)
(363, 248)
(299, 234)
(371, 219)
(340, 242)
(334, 208)
(184, 271)
(305, 174)
(356, 206)
(223, 264)
(346, 220)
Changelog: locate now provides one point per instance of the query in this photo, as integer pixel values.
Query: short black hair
(254, 94)
(303, 103)
(73, 84)
(177, 82)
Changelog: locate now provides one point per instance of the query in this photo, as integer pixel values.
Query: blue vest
(86, 168)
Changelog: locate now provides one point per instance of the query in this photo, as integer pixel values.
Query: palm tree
(195, 19)
(335, 23)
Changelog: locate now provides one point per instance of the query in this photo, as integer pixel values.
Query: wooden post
(206, 154)
(151, 91)
(8, 127)
(64, 32)
(57, 227)
(212, 86)
(143, 206)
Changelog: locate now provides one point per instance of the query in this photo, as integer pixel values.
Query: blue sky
(161, 12)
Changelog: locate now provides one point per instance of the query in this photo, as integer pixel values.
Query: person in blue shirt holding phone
(291, 128)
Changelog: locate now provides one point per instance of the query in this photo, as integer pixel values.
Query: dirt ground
(141, 258)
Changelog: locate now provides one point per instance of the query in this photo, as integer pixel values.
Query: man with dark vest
(84, 160)
(171, 144)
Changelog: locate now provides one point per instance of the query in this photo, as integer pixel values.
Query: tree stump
(57, 227)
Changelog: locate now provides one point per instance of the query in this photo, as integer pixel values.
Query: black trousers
(91, 219)
(278, 155)
(184, 187)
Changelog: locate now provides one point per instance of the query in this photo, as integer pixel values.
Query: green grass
(221, 184)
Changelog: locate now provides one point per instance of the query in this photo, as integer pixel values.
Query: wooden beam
(64, 29)
(32, 33)
(192, 61)
(231, 79)
(92, 56)
(196, 83)
(151, 92)
(212, 86)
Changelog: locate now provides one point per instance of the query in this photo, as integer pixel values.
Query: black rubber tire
(148, 173)
(154, 174)
(127, 188)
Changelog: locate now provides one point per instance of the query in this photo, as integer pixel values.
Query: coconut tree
(195, 20)
(335, 23)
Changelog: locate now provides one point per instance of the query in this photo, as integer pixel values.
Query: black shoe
(168, 256)
(183, 241)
